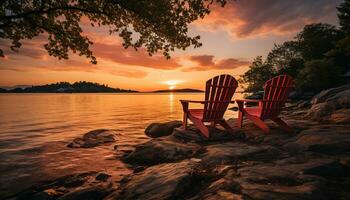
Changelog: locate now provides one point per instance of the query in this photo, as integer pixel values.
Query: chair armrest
(202, 102)
(248, 100)
(192, 101)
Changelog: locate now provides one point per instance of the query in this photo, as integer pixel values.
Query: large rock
(280, 181)
(161, 150)
(321, 111)
(328, 102)
(94, 138)
(165, 181)
(216, 134)
(331, 140)
(155, 130)
(327, 94)
(73, 187)
(231, 152)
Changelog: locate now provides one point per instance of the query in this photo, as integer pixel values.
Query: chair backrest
(276, 92)
(218, 92)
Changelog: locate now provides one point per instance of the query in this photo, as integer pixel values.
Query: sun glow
(172, 83)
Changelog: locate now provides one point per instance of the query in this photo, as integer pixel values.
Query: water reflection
(35, 129)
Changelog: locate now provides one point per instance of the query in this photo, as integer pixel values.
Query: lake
(35, 129)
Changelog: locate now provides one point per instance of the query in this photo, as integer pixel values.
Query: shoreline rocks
(94, 138)
(311, 163)
(155, 130)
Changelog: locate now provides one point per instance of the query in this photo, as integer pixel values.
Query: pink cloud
(207, 62)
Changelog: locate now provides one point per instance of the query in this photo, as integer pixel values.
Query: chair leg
(184, 121)
(282, 124)
(260, 123)
(200, 125)
(240, 114)
(224, 124)
(212, 124)
(240, 119)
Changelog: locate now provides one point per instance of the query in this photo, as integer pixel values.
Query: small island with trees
(66, 87)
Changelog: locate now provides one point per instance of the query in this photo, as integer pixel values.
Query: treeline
(65, 87)
(317, 57)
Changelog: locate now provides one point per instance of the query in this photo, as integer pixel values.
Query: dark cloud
(252, 17)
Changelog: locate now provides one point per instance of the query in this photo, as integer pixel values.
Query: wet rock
(94, 138)
(87, 185)
(155, 130)
(222, 188)
(216, 134)
(102, 176)
(330, 140)
(165, 181)
(97, 192)
(230, 152)
(161, 150)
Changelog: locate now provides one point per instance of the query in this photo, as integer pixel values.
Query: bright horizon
(232, 37)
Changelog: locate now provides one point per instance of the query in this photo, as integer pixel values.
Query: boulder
(216, 134)
(164, 181)
(161, 150)
(231, 152)
(278, 181)
(96, 192)
(94, 138)
(155, 130)
(327, 94)
(321, 111)
(330, 140)
(88, 185)
(328, 102)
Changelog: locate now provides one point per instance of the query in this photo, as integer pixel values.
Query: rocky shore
(311, 163)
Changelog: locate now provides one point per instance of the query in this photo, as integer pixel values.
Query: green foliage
(257, 75)
(317, 39)
(286, 58)
(344, 16)
(157, 25)
(319, 74)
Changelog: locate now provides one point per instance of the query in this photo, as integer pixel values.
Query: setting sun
(172, 83)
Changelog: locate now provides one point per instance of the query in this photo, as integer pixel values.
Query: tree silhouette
(157, 25)
(344, 16)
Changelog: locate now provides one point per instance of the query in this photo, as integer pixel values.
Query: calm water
(35, 129)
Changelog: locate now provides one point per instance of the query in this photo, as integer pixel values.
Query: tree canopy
(317, 58)
(156, 25)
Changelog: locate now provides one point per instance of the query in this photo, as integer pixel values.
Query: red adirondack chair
(276, 91)
(218, 93)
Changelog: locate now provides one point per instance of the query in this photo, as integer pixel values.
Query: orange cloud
(207, 62)
(117, 54)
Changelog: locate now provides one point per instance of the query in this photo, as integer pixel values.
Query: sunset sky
(231, 37)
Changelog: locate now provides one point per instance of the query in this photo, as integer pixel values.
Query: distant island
(186, 90)
(66, 87)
